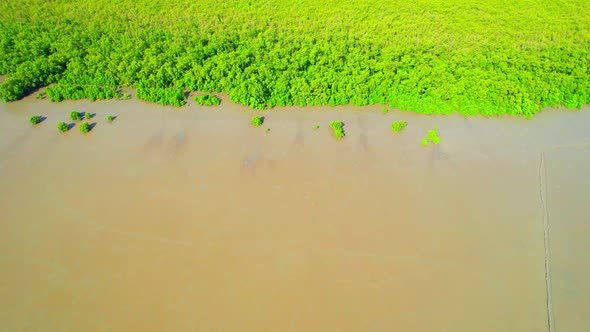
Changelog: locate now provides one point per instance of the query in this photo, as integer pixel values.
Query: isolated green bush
(75, 116)
(338, 128)
(384, 110)
(256, 121)
(398, 126)
(87, 115)
(84, 127)
(431, 136)
(63, 127)
(110, 118)
(35, 119)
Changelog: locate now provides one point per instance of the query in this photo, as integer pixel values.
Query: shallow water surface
(192, 220)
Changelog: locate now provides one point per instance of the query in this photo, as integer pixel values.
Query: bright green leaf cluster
(84, 127)
(208, 100)
(62, 127)
(398, 126)
(75, 116)
(162, 96)
(35, 119)
(57, 93)
(338, 128)
(110, 118)
(257, 121)
(431, 136)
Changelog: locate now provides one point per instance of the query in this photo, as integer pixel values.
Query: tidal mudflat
(191, 219)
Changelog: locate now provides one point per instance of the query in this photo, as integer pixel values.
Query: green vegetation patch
(75, 116)
(63, 127)
(398, 126)
(384, 110)
(338, 128)
(257, 121)
(162, 96)
(35, 119)
(431, 57)
(431, 137)
(110, 118)
(207, 100)
(84, 127)
(60, 92)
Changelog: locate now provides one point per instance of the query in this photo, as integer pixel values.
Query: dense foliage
(35, 119)
(84, 127)
(63, 127)
(75, 116)
(163, 96)
(338, 128)
(398, 126)
(57, 93)
(207, 100)
(431, 56)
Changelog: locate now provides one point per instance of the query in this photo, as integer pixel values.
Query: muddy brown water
(190, 219)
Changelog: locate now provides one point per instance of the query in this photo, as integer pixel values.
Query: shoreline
(226, 102)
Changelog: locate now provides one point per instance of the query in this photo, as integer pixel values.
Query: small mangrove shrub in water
(87, 115)
(338, 129)
(267, 130)
(256, 121)
(35, 119)
(316, 127)
(431, 137)
(75, 116)
(62, 127)
(398, 126)
(110, 118)
(84, 127)
(208, 100)
(384, 110)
